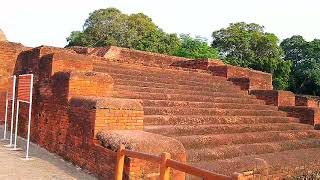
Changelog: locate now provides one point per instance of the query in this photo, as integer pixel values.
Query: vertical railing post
(120, 163)
(6, 118)
(16, 129)
(29, 121)
(12, 108)
(164, 169)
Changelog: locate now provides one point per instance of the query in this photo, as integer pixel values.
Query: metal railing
(165, 162)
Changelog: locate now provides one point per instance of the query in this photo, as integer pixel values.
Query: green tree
(305, 57)
(77, 38)
(294, 49)
(195, 48)
(111, 27)
(247, 45)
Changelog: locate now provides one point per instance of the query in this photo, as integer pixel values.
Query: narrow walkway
(43, 166)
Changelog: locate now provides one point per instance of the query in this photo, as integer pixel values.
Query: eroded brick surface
(257, 80)
(277, 98)
(308, 101)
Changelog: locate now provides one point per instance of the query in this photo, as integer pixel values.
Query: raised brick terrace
(226, 119)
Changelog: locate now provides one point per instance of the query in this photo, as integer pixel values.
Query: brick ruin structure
(226, 119)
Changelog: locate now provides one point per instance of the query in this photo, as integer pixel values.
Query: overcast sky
(44, 22)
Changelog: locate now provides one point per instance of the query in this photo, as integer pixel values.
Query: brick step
(216, 88)
(184, 130)
(176, 91)
(210, 111)
(161, 73)
(175, 82)
(203, 120)
(165, 96)
(223, 98)
(231, 151)
(138, 70)
(167, 103)
(172, 81)
(205, 141)
(279, 164)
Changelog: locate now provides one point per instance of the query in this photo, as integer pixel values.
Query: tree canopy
(305, 57)
(195, 48)
(247, 45)
(111, 27)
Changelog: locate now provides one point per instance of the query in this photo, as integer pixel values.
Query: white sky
(44, 22)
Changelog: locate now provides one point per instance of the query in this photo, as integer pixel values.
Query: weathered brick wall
(8, 55)
(66, 117)
(107, 114)
(244, 83)
(51, 60)
(83, 84)
(203, 64)
(306, 115)
(88, 116)
(257, 80)
(54, 125)
(308, 101)
(68, 133)
(276, 98)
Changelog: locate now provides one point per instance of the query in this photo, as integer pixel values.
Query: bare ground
(43, 166)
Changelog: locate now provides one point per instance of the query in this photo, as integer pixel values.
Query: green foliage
(247, 45)
(281, 78)
(197, 48)
(76, 38)
(111, 27)
(305, 57)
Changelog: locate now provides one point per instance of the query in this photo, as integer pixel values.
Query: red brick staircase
(88, 101)
(222, 128)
